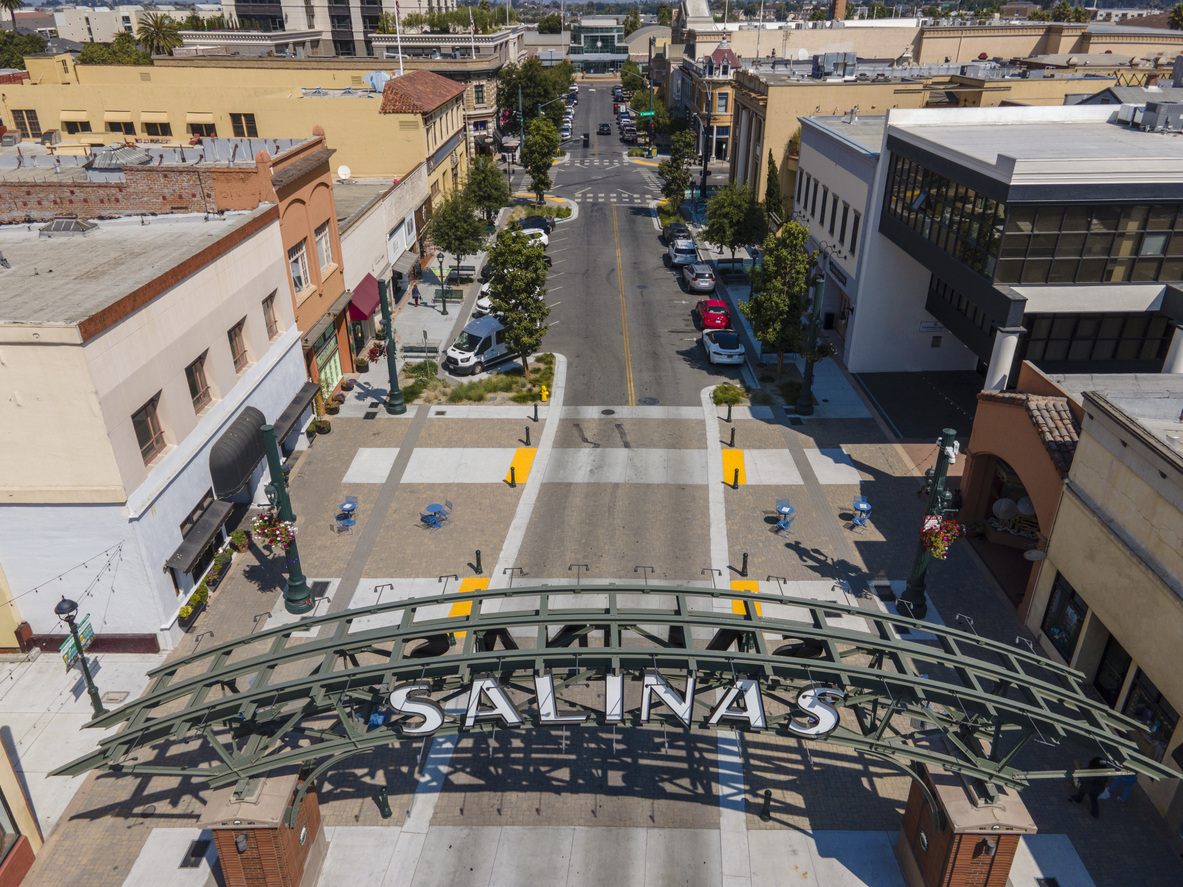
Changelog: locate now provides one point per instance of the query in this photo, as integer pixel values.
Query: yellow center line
(628, 360)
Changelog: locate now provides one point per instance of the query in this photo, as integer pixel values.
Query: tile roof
(722, 54)
(418, 92)
(1057, 427)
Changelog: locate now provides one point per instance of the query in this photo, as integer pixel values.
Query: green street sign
(645, 113)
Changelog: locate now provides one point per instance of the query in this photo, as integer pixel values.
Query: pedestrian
(1122, 785)
(1093, 786)
(415, 294)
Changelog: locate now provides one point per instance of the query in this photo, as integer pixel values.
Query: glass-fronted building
(597, 45)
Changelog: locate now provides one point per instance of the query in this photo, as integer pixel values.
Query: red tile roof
(1053, 420)
(418, 92)
(723, 53)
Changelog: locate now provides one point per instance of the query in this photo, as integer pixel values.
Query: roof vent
(66, 228)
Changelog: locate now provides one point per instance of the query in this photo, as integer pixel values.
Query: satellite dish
(1005, 509)
(1025, 506)
(1034, 554)
(344, 172)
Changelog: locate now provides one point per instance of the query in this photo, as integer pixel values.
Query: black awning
(329, 318)
(291, 414)
(199, 536)
(233, 457)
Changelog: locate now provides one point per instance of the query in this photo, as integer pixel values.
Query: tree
(485, 6)
(158, 33)
(734, 219)
(663, 121)
(486, 188)
(538, 153)
(819, 14)
(1176, 19)
(630, 76)
(14, 47)
(517, 291)
(538, 87)
(123, 50)
(632, 22)
(777, 309)
(675, 171)
(12, 6)
(455, 228)
(551, 24)
(665, 15)
(774, 204)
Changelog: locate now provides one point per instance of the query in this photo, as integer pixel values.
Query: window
(148, 433)
(722, 103)
(854, 234)
(324, 245)
(1064, 617)
(244, 126)
(198, 386)
(158, 129)
(65, 67)
(825, 198)
(1110, 677)
(204, 130)
(833, 212)
(128, 128)
(26, 122)
(269, 316)
(1139, 336)
(975, 315)
(73, 127)
(478, 94)
(1159, 718)
(195, 515)
(842, 230)
(813, 206)
(800, 180)
(298, 262)
(237, 347)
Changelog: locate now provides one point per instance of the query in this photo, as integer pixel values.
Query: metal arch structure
(964, 703)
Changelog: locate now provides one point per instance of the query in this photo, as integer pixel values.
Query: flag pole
(472, 31)
(398, 32)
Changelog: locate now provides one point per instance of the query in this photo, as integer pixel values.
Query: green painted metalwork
(263, 702)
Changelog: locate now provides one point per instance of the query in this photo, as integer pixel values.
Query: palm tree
(12, 6)
(158, 33)
(1175, 21)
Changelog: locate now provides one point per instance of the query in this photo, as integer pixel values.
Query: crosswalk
(613, 197)
(590, 162)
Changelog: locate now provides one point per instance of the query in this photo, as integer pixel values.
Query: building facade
(709, 96)
(597, 45)
(102, 24)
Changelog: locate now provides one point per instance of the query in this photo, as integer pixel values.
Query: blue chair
(432, 520)
(786, 513)
(345, 523)
(862, 511)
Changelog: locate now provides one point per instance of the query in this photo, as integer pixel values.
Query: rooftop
(1153, 401)
(865, 130)
(418, 92)
(66, 279)
(354, 195)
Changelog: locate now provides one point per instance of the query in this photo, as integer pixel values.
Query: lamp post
(706, 148)
(443, 289)
(394, 397)
(297, 597)
(912, 602)
(66, 610)
(804, 404)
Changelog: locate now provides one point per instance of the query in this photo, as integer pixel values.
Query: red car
(713, 314)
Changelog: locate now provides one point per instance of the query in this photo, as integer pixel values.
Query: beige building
(102, 24)
(1108, 599)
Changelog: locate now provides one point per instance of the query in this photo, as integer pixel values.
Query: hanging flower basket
(270, 530)
(939, 533)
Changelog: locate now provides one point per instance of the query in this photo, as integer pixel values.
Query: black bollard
(478, 562)
(732, 435)
(384, 804)
(744, 571)
(728, 412)
(766, 809)
(527, 435)
(735, 483)
(535, 411)
(513, 478)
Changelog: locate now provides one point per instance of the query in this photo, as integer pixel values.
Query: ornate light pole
(66, 610)
(913, 603)
(804, 404)
(394, 398)
(443, 289)
(297, 597)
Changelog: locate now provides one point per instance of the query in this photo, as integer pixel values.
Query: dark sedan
(546, 223)
(604, 129)
(675, 231)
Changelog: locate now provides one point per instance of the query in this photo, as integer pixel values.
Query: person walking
(1093, 786)
(415, 294)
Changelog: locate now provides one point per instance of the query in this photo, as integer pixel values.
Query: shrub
(790, 391)
(762, 399)
(186, 611)
(239, 539)
(424, 369)
(636, 152)
(727, 394)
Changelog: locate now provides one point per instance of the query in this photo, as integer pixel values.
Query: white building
(102, 24)
(130, 349)
(993, 235)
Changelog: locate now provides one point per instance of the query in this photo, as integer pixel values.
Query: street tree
(630, 77)
(157, 33)
(538, 87)
(778, 307)
(517, 290)
(675, 170)
(123, 50)
(774, 204)
(734, 219)
(486, 188)
(551, 24)
(818, 14)
(1175, 21)
(538, 153)
(632, 22)
(665, 15)
(455, 228)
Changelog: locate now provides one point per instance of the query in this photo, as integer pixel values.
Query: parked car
(537, 235)
(699, 278)
(574, 88)
(675, 231)
(484, 304)
(604, 129)
(713, 314)
(546, 223)
(481, 343)
(682, 252)
(722, 346)
(629, 136)
(565, 132)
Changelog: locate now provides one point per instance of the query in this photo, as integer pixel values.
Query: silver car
(699, 278)
(722, 346)
(682, 252)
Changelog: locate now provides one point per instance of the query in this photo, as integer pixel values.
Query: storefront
(364, 316)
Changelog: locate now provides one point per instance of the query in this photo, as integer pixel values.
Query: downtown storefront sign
(740, 705)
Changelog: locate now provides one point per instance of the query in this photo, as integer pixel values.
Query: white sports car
(722, 346)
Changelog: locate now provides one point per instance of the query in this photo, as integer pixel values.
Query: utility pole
(297, 598)
(394, 397)
(913, 603)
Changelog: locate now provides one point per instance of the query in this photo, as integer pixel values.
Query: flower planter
(187, 624)
(348, 384)
(324, 427)
(332, 409)
(363, 367)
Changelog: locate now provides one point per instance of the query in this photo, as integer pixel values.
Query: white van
(480, 344)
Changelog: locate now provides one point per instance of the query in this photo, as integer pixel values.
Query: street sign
(646, 113)
(68, 651)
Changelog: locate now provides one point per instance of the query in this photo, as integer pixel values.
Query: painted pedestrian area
(604, 494)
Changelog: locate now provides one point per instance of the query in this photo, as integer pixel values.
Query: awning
(153, 117)
(365, 298)
(404, 263)
(483, 140)
(291, 415)
(199, 117)
(199, 536)
(233, 457)
(325, 322)
(117, 116)
(74, 116)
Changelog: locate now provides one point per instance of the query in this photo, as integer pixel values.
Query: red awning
(365, 298)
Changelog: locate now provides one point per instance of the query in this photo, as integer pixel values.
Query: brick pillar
(977, 844)
(838, 10)
(274, 854)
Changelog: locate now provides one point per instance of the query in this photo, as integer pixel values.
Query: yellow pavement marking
(733, 459)
(523, 458)
(463, 608)
(531, 194)
(628, 358)
(737, 606)
(644, 162)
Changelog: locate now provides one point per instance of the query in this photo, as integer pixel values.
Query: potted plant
(348, 384)
(239, 540)
(362, 364)
(269, 530)
(192, 608)
(323, 426)
(332, 408)
(939, 533)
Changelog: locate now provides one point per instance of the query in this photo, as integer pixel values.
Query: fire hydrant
(545, 394)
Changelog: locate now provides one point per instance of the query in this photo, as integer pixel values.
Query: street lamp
(912, 603)
(66, 610)
(706, 148)
(297, 598)
(394, 397)
(443, 289)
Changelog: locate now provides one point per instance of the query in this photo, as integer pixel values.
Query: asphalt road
(620, 313)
